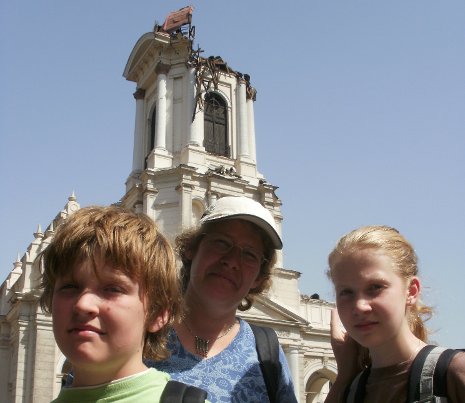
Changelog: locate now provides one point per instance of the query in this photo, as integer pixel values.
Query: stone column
(138, 152)
(45, 375)
(212, 198)
(242, 120)
(196, 125)
(186, 204)
(149, 192)
(160, 124)
(251, 94)
(293, 359)
(138, 207)
(5, 355)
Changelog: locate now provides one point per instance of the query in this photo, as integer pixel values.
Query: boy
(111, 285)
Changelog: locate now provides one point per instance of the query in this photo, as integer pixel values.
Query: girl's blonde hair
(133, 245)
(392, 244)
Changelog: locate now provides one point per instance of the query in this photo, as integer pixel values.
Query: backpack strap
(356, 391)
(427, 373)
(414, 375)
(178, 392)
(267, 345)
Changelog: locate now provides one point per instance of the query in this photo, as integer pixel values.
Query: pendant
(201, 346)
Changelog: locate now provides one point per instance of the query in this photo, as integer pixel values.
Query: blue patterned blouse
(233, 375)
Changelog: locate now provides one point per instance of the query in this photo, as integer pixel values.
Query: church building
(194, 142)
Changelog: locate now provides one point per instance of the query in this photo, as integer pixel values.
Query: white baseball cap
(244, 208)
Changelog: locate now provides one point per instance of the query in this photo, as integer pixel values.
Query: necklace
(202, 346)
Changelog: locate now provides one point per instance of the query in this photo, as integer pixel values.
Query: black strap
(440, 372)
(355, 391)
(178, 392)
(415, 374)
(267, 345)
(360, 392)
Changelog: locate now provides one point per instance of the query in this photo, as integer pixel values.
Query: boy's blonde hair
(132, 244)
(392, 244)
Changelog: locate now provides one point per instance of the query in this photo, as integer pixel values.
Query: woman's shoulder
(245, 332)
(244, 339)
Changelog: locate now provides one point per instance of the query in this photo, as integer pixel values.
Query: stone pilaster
(160, 124)
(139, 128)
(242, 119)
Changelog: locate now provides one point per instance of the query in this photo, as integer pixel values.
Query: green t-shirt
(145, 387)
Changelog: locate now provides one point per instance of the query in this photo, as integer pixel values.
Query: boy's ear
(413, 291)
(158, 322)
(189, 254)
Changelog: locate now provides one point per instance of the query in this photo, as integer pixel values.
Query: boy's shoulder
(179, 392)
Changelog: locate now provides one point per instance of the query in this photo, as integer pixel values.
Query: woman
(227, 260)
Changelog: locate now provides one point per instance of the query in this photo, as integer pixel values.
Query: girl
(374, 272)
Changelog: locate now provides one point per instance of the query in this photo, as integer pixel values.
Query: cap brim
(259, 222)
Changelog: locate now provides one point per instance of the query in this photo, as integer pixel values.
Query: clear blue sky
(359, 116)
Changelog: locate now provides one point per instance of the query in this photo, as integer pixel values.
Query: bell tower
(194, 137)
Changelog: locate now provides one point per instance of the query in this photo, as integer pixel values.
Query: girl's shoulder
(456, 378)
(458, 362)
(456, 371)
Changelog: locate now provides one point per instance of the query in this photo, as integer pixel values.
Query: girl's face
(371, 298)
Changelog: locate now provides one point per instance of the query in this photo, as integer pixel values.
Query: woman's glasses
(222, 244)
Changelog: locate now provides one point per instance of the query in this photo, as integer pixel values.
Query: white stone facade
(174, 178)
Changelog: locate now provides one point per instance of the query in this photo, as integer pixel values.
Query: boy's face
(99, 323)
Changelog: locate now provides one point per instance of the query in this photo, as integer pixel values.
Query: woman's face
(371, 298)
(226, 265)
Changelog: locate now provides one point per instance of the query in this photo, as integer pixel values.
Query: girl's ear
(413, 291)
(158, 322)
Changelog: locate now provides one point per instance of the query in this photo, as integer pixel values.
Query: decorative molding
(283, 333)
(139, 94)
(223, 171)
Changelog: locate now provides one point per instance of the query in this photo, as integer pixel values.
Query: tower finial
(38, 233)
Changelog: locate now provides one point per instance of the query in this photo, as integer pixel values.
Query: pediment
(266, 311)
(151, 48)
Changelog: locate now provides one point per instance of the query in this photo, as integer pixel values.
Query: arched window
(216, 128)
(151, 139)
